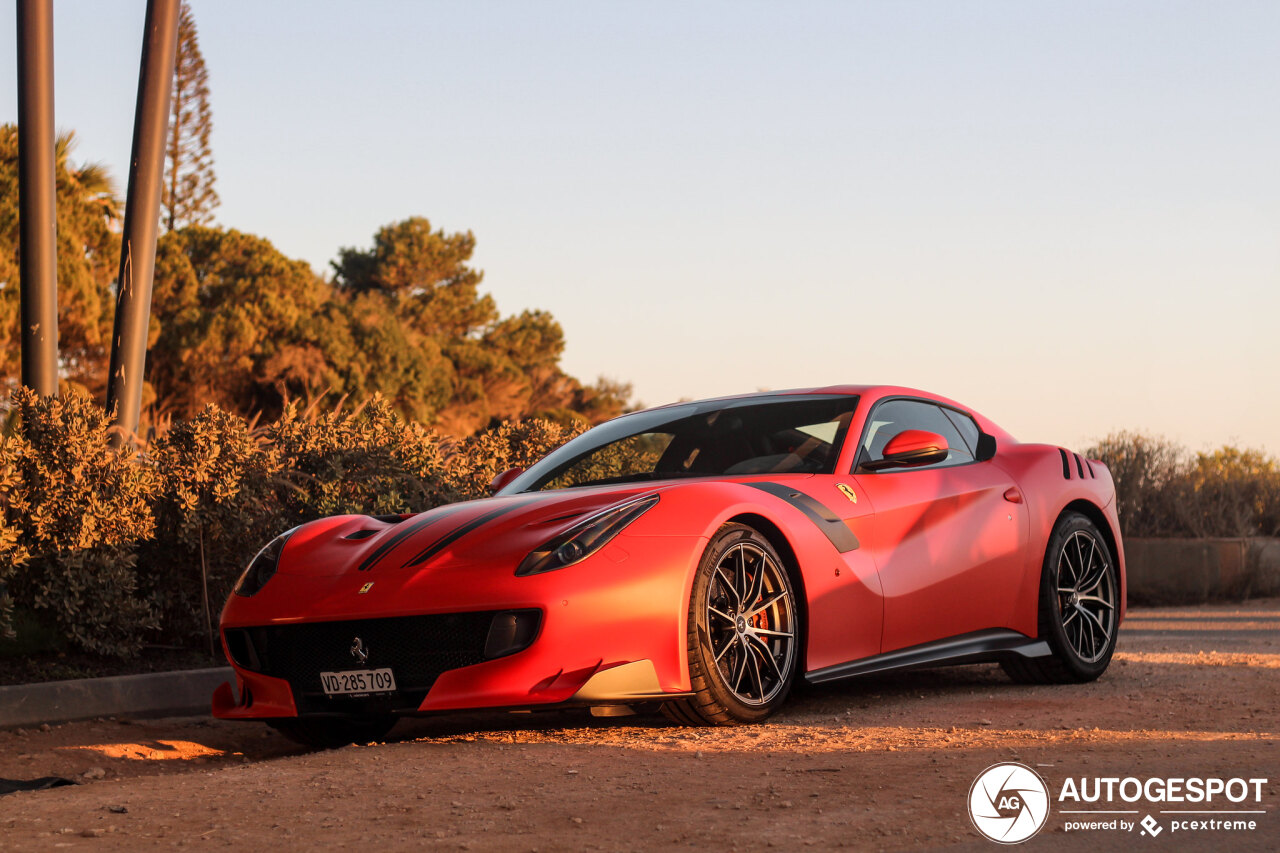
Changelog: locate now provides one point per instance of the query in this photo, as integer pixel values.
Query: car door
(946, 536)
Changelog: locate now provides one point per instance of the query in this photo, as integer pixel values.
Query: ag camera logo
(1008, 803)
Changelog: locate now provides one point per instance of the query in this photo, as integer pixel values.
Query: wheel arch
(1094, 513)
(773, 533)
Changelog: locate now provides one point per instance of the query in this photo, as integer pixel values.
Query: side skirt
(977, 647)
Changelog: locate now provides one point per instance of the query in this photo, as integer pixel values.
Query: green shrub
(215, 506)
(1161, 490)
(13, 549)
(1149, 472)
(512, 444)
(110, 550)
(369, 461)
(79, 507)
(1233, 493)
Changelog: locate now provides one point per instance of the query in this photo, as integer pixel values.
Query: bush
(368, 461)
(215, 506)
(1148, 472)
(79, 507)
(512, 444)
(1235, 493)
(113, 549)
(1161, 490)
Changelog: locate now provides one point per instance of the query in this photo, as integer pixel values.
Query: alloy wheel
(751, 622)
(1086, 591)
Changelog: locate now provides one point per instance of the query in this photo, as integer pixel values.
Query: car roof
(851, 390)
(871, 392)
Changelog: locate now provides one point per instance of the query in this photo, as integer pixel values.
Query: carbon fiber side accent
(831, 525)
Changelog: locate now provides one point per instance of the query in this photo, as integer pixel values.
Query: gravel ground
(881, 763)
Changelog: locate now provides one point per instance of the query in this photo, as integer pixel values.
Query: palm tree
(88, 211)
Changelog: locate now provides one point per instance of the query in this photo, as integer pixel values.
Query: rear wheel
(743, 633)
(333, 732)
(1079, 607)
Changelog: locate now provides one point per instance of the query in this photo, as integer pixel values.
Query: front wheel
(743, 634)
(1079, 607)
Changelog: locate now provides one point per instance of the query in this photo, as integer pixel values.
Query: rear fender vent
(1081, 465)
(360, 534)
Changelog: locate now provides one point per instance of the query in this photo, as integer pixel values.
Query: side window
(894, 416)
(967, 425)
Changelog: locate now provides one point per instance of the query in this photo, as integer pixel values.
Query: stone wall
(1189, 571)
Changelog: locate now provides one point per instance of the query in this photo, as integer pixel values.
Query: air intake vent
(1079, 466)
(416, 648)
(360, 534)
(1066, 465)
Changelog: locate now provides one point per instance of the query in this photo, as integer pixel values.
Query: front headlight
(262, 567)
(585, 538)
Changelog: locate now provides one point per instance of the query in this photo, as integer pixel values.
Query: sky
(1065, 215)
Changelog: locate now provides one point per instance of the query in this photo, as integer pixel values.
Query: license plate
(358, 682)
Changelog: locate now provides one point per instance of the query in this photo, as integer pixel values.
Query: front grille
(416, 648)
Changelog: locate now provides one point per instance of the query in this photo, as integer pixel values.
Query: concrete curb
(152, 695)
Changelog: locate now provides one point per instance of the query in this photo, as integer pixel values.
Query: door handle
(1012, 495)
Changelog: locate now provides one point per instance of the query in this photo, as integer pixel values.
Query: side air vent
(1066, 465)
(1090, 467)
(360, 534)
(1079, 466)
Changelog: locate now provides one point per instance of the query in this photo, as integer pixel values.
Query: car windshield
(784, 434)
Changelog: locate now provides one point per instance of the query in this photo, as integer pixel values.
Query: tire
(1079, 607)
(333, 732)
(743, 633)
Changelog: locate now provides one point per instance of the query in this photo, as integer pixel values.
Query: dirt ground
(881, 763)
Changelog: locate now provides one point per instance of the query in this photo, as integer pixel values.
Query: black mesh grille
(416, 648)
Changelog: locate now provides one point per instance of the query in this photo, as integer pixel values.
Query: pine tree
(189, 196)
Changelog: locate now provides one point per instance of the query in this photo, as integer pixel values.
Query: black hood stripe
(457, 533)
(831, 525)
(410, 528)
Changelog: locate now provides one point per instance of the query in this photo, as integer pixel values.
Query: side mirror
(909, 449)
(504, 479)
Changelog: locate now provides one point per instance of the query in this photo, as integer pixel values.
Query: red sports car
(698, 557)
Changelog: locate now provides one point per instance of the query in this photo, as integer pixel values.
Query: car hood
(500, 530)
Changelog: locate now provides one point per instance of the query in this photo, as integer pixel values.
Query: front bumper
(611, 630)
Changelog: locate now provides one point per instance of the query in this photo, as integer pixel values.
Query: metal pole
(142, 216)
(37, 190)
